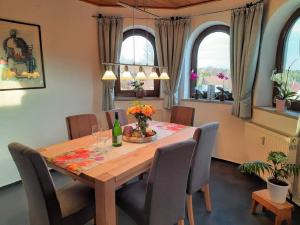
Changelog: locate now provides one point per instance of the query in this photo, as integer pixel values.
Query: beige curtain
(245, 34)
(171, 38)
(110, 40)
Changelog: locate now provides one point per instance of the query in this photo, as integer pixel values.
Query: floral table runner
(83, 159)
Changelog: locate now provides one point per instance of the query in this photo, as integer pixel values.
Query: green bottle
(116, 132)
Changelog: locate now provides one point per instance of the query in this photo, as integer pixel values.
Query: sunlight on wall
(11, 98)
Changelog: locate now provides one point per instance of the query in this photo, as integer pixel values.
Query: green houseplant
(279, 169)
(283, 85)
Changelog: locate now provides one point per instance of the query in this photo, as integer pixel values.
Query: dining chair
(183, 115)
(110, 117)
(161, 199)
(71, 205)
(80, 125)
(199, 175)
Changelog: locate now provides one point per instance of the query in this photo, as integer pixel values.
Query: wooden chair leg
(207, 198)
(181, 222)
(189, 203)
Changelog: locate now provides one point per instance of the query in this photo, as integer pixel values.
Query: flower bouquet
(141, 132)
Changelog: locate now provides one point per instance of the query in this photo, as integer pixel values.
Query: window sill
(138, 99)
(214, 101)
(287, 113)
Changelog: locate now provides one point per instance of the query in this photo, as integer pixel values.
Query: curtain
(245, 34)
(110, 34)
(171, 38)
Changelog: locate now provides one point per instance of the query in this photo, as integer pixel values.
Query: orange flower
(147, 110)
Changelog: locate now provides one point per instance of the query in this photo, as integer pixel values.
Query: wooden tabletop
(122, 168)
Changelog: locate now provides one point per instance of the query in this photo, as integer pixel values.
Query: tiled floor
(231, 198)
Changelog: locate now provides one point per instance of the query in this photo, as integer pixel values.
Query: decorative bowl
(139, 139)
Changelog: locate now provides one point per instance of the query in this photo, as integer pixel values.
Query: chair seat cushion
(77, 203)
(131, 199)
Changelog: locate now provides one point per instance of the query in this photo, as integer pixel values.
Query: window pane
(143, 54)
(212, 59)
(292, 55)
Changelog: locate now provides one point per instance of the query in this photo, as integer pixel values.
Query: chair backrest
(183, 115)
(80, 125)
(205, 137)
(167, 182)
(42, 200)
(110, 116)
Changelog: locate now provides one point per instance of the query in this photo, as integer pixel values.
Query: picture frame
(21, 56)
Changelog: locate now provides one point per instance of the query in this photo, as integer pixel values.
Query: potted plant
(138, 88)
(222, 94)
(280, 170)
(283, 86)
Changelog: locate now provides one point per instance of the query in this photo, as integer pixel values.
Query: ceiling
(160, 4)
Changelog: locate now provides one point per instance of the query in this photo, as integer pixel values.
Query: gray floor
(231, 198)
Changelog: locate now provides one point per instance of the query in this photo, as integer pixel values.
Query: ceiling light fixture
(126, 75)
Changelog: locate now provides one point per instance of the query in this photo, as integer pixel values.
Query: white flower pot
(278, 193)
(280, 105)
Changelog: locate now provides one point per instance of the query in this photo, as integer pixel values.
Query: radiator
(261, 140)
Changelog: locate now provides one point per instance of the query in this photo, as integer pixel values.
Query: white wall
(37, 117)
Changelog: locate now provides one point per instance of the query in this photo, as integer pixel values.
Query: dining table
(107, 170)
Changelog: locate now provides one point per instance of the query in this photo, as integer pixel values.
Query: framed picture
(21, 56)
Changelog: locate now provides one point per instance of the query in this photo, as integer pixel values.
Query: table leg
(105, 189)
(254, 206)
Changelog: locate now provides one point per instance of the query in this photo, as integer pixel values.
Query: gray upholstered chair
(110, 117)
(80, 125)
(205, 137)
(182, 115)
(71, 205)
(160, 200)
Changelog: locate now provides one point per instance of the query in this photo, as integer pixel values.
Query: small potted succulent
(279, 169)
(283, 85)
(138, 88)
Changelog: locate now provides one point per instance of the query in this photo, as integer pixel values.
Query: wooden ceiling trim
(115, 4)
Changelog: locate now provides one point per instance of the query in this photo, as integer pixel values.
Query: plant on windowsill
(277, 165)
(138, 88)
(283, 85)
(222, 94)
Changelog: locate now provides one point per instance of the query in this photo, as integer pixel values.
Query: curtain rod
(248, 5)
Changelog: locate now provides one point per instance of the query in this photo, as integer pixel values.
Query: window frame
(131, 93)
(194, 54)
(281, 50)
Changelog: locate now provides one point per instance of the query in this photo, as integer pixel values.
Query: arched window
(138, 47)
(210, 58)
(288, 53)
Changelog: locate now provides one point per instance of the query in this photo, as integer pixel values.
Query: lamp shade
(140, 75)
(153, 75)
(109, 75)
(126, 75)
(164, 76)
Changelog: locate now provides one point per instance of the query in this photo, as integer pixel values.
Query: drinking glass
(104, 136)
(95, 133)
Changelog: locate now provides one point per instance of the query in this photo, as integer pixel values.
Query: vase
(139, 93)
(280, 105)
